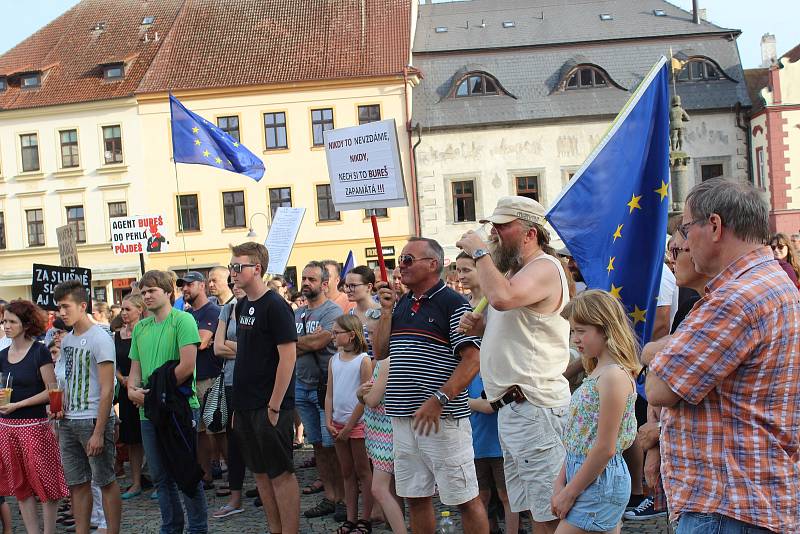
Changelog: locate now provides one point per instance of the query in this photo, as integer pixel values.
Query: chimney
(695, 12)
(769, 50)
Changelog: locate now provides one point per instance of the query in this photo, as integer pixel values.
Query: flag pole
(374, 218)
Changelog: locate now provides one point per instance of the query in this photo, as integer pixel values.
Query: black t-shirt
(263, 325)
(26, 380)
(122, 347)
(208, 364)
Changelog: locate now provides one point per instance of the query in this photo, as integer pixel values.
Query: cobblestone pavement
(141, 516)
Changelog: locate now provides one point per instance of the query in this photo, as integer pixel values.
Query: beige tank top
(529, 349)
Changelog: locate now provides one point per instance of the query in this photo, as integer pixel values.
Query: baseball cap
(516, 207)
(189, 277)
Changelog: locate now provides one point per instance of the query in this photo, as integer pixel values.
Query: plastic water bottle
(446, 525)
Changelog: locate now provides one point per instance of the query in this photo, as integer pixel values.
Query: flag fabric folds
(196, 140)
(349, 263)
(612, 216)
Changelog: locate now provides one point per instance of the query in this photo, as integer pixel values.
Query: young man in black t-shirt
(263, 387)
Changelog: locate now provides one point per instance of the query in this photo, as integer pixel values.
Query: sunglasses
(676, 251)
(237, 267)
(779, 246)
(406, 260)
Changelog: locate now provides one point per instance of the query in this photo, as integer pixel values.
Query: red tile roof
(229, 43)
(70, 54)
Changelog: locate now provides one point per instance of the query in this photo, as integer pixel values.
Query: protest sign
(47, 277)
(281, 238)
(138, 234)
(67, 245)
(364, 166)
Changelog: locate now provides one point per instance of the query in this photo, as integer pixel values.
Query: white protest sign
(281, 238)
(139, 233)
(364, 166)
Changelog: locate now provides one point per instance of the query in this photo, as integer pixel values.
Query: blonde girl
(347, 370)
(592, 489)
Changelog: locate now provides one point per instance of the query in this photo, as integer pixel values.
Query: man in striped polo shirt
(426, 398)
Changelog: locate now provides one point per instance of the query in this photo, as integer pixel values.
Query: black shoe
(146, 483)
(645, 510)
(340, 514)
(257, 503)
(251, 493)
(323, 508)
(634, 502)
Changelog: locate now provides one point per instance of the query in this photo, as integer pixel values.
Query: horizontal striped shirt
(424, 348)
(730, 446)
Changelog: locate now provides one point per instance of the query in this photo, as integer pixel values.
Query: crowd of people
(542, 405)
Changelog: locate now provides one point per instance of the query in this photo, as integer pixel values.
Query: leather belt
(513, 394)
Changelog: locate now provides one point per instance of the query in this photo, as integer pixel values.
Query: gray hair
(324, 274)
(434, 249)
(739, 206)
(335, 266)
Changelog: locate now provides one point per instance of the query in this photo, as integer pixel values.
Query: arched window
(477, 84)
(699, 69)
(586, 77)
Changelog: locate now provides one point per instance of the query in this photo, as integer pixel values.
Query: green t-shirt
(154, 344)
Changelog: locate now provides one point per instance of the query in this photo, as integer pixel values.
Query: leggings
(235, 460)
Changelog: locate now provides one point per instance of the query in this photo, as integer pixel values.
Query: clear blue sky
(780, 17)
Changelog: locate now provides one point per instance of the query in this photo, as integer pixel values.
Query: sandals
(363, 526)
(346, 528)
(315, 487)
(311, 462)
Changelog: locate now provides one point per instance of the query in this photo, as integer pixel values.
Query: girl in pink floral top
(592, 489)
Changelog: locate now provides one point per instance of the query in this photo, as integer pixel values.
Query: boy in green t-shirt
(167, 335)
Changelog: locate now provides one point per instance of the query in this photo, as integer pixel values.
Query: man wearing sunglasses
(727, 377)
(426, 398)
(525, 349)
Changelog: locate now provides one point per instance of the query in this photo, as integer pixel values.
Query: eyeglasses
(351, 287)
(684, 228)
(337, 332)
(676, 251)
(237, 267)
(407, 259)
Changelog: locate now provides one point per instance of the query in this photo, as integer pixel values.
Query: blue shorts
(305, 402)
(600, 507)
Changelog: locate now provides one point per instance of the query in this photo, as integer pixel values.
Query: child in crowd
(592, 489)
(379, 442)
(348, 369)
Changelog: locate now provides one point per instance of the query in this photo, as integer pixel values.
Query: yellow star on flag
(236, 144)
(611, 264)
(615, 291)
(206, 153)
(638, 315)
(197, 141)
(618, 233)
(218, 159)
(195, 129)
(634, 203)
(662, 190)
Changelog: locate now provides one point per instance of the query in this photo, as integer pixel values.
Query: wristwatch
(373, 313)
(441, 397)
(478, 254)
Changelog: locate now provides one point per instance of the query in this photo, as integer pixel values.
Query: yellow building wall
(301, 167)
(93, 184)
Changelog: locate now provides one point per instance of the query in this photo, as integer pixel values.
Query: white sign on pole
(364, 166)
(281, 238)
(138, 234)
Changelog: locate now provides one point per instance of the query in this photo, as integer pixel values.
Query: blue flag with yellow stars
(613, 214)
(195, 140)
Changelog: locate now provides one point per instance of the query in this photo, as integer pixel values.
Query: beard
(310, 293)
(506, 257)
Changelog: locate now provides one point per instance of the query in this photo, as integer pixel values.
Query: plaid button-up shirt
(730, 446)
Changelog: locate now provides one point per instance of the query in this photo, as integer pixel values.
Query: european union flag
(613, 214)
(349, 263)
(195, 140)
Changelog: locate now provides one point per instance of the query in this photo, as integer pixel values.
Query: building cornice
(66, 109)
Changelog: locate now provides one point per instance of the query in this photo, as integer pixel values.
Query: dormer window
(114, 71)
(477, 85)
(3, 84)
(699, 69)
(31, 81)
(586, 78)
(148, 20)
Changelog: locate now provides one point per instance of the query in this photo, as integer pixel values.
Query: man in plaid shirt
(729, 377)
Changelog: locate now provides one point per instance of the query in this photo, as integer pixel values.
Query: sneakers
(634, 501)
(323, 508)
(645, 510)
(227, 510)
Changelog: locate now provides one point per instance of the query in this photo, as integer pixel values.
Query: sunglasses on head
(237, 267)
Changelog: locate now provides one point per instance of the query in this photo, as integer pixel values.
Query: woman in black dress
(130, 430)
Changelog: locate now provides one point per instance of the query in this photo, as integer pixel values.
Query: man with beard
(209, 366)
(525, 350)
(314, 323)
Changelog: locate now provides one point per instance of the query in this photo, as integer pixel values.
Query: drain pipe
(412, 155)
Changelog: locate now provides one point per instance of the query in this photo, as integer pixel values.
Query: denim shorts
(305, 402)
(600, 507)
(79, 468)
